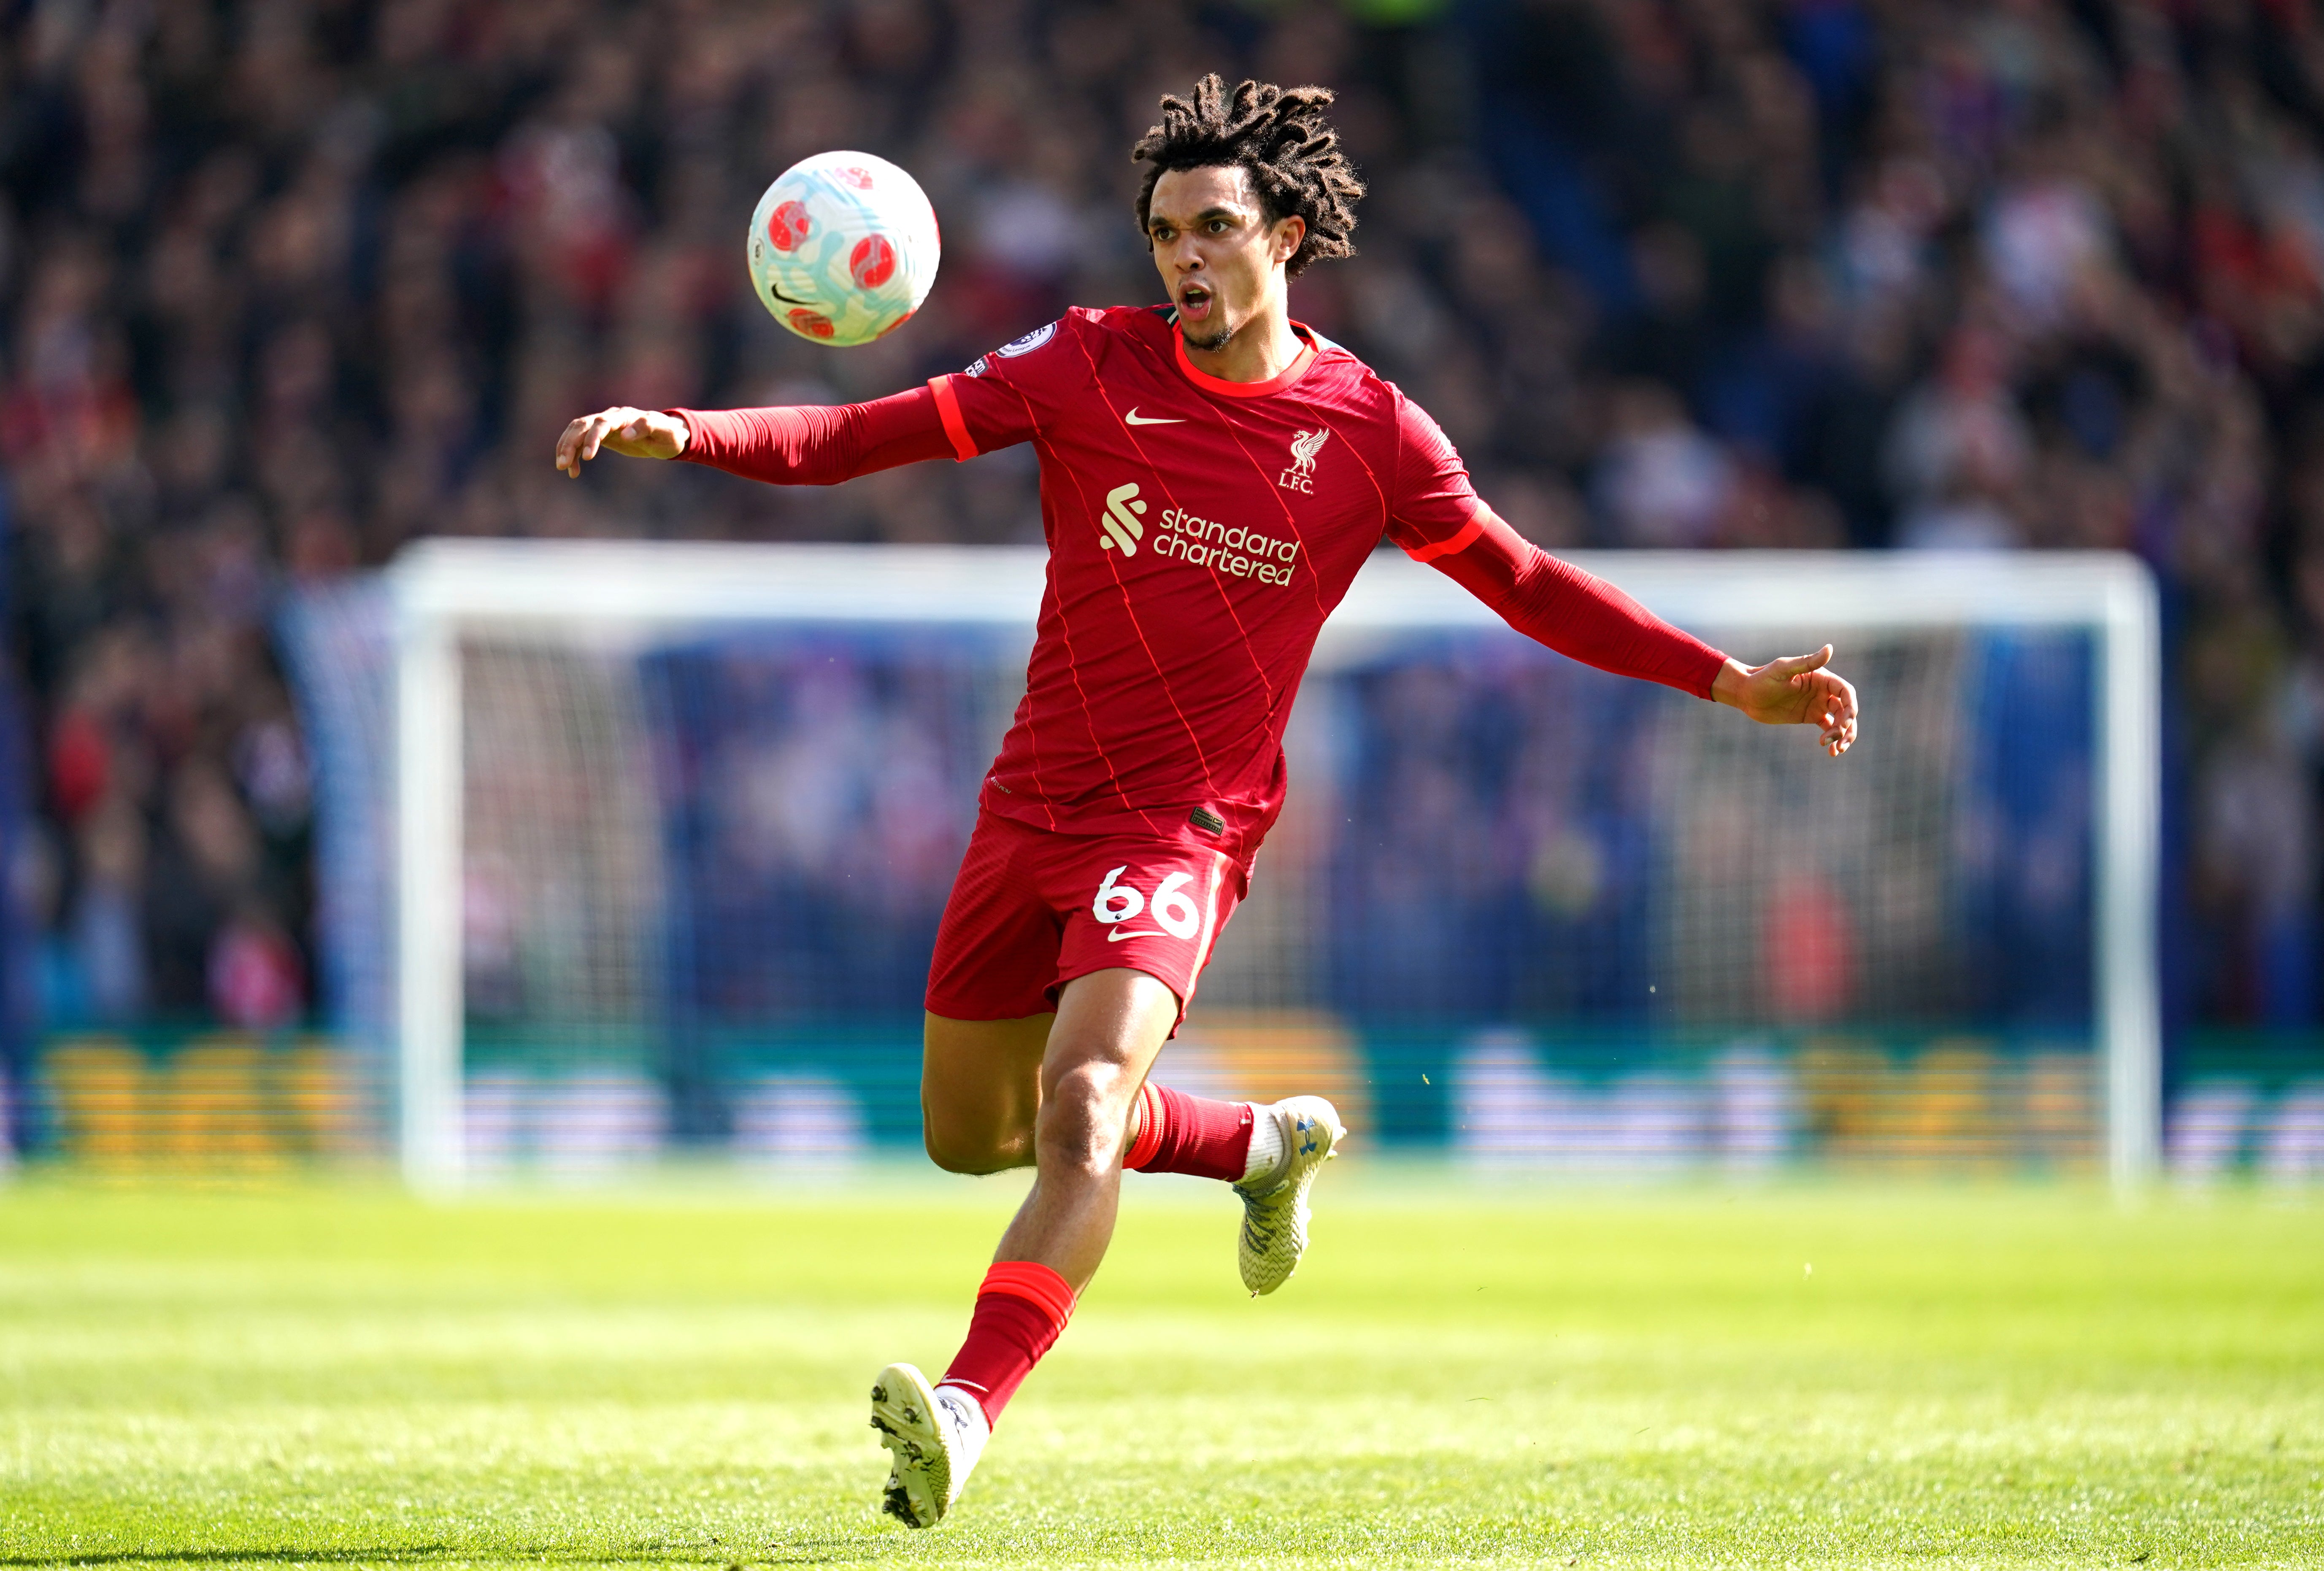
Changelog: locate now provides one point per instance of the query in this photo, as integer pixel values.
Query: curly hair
(1278, 133)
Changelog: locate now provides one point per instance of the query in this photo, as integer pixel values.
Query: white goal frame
(596, 593)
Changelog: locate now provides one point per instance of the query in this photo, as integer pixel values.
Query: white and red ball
(843, 248)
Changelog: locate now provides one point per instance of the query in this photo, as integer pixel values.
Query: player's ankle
(976, 1428)
(1267, 1149)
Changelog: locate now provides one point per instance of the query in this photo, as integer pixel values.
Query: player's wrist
(657, 427)
(1729, 685)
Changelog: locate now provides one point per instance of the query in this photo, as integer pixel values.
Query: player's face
(1220, 257)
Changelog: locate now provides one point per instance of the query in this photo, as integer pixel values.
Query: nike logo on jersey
(1116, 935)
(1122, 531)
(1135, 419)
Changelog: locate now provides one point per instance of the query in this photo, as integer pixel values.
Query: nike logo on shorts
(1135, 419)
(1115, 935)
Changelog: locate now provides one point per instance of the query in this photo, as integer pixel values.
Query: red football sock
(1182, 1134)
(1020, 1311)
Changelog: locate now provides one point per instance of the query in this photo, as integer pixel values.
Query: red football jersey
(1200, 531)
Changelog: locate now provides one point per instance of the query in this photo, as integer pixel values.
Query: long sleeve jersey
(1200, 531)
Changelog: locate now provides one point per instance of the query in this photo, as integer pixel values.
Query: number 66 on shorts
(1033, 908)
(1171, 910)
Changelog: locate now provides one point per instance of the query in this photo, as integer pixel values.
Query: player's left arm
(1580, 615)
(1435, 514)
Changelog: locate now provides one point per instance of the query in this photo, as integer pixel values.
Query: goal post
(614, 602)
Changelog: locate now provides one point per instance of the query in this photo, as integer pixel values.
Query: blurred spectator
(1958, 452)
(1660, 481)
(284, 284)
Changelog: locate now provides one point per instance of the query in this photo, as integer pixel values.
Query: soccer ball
(843, 248)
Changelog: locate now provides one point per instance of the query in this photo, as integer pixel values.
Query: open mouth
(1195, 302)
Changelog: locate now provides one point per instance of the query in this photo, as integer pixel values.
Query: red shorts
(1033, 908)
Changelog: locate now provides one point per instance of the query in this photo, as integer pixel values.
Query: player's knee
(1082, 1121)
(956, 1149)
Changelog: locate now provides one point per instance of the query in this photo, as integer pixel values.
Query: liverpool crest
(1305, 446)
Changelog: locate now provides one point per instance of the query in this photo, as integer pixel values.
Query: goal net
(631, 849)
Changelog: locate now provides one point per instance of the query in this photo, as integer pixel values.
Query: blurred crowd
(284, 283)
(1683, 870)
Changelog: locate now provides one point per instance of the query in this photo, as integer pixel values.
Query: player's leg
(1079, 1106)
(1270, 1152)
(1161, 911)
(979, 1090)
(1092, 1096)
(1108, 1026)
(989, 1003)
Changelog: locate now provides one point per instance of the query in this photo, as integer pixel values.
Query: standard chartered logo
(1233, 553)
(1120, 519)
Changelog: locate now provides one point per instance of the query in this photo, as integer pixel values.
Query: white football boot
(1274, 1202)
(936, 1433)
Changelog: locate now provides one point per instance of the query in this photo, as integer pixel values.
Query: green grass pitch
(1969, 1376)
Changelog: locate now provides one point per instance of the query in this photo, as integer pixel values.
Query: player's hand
(1796, 690)
(631, 433)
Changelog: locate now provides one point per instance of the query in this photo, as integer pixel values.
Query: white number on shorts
(1120, 902)
(1172, 910)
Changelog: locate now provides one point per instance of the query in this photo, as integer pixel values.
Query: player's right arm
(951, 417)
(806, 444)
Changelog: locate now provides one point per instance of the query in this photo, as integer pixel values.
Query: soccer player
(1212, 476)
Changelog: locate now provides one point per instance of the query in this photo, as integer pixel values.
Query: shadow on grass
(808, 1553)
